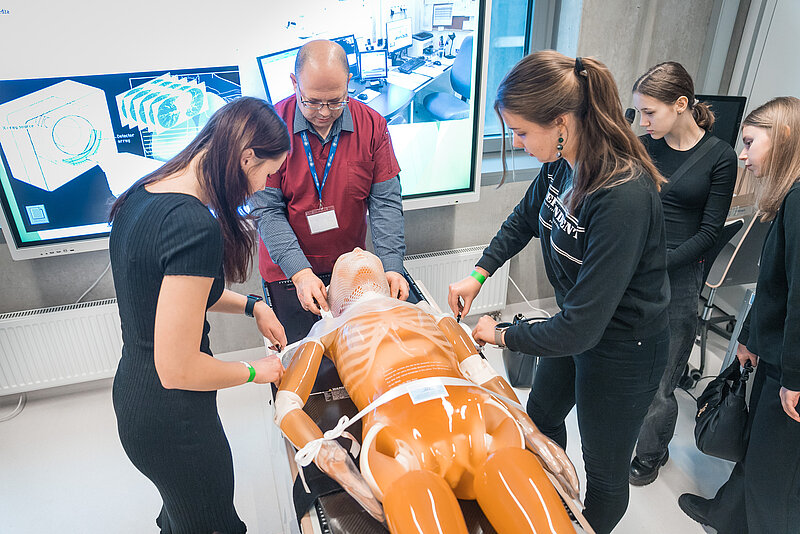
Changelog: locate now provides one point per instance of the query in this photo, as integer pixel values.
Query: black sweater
(695, 207)
(772, 329)
(607, 263)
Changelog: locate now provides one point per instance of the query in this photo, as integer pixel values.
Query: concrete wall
(631, 36)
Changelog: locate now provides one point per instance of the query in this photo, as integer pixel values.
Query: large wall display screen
(431, 91)
(71, 145)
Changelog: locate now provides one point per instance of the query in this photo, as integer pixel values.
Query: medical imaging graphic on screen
(70, 146)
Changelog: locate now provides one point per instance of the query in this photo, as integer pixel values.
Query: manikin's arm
(332, 459)
(478, 370)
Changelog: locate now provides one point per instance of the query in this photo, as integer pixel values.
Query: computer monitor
(398, 35)
(728, 111)
(275, 70)
(372, 65)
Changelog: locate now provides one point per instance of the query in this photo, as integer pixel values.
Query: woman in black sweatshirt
(701, 171)
(596, 211)
(763, 493)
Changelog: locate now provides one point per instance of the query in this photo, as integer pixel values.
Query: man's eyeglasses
(317, 106)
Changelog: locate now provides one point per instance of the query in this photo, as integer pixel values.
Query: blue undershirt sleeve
(269, 209)
(387, 224)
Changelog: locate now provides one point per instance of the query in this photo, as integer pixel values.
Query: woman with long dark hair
(762, 494)
(595, 208)
(171, 258)
(701, 172)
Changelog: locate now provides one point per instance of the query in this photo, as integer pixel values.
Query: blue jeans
(612, 385)
(659, 423)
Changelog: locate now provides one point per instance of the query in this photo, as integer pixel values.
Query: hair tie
(695, 102)
(579, 68)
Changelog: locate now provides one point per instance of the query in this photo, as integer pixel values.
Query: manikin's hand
(462, 293)
(334, 461)
(552, 456)
(269, 326)
(789, 400)
(310, 291)
(744, 355)
(398, 285)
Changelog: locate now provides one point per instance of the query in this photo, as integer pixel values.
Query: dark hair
(241, 124)
(546, 85)
(667, 82)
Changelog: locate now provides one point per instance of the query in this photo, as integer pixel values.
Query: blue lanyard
(313, 168)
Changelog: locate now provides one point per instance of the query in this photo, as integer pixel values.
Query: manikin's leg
(516, 495)
(421, 502)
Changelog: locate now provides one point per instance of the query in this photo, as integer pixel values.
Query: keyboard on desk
(411, 64)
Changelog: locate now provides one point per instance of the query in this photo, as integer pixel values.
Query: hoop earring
(559, 146)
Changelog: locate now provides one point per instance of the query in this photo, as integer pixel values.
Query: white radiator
(57, 346)
(436, 270)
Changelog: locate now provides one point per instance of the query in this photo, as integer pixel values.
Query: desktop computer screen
(398, 35)
(275, 70)
(373, 64)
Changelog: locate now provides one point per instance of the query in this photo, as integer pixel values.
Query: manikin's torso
(379, 350)
(449, 435)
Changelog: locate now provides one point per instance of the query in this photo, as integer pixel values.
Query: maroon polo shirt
(363, 157)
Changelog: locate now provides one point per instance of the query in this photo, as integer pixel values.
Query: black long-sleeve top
(695, 207)
(772, 329)
(607, 262)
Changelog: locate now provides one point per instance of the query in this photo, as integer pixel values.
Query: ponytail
(703, 116)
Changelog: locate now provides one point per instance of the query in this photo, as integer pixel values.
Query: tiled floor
(62, 468)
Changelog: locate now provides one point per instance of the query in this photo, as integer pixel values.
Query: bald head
(322, 56)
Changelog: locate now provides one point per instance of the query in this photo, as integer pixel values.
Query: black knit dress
(174, 437)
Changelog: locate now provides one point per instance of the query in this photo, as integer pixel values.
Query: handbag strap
(680, 172)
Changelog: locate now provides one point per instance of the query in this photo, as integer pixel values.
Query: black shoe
(695, 507)
(643, 472)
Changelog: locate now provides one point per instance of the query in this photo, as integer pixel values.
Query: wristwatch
(499, 328)
(251, 303)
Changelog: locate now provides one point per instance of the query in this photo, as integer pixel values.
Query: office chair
(447, 106)
(735, 264)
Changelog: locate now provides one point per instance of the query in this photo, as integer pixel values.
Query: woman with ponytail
(177, 238)
(762, 495)
(701, 172)
(595, 208)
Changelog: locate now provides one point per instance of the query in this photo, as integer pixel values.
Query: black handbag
(720, 428)
(520, 367)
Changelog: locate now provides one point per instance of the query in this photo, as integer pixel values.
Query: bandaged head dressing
(354, 275)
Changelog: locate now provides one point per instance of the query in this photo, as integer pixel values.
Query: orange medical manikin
(448, 431)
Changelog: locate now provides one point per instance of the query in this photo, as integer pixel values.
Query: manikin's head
(355, 274)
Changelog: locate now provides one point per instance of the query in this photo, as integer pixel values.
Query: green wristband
(478, 276)
(252, 371)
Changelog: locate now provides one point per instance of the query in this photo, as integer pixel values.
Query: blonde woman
(763, 492)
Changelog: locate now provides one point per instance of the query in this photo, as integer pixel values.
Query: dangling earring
(560, 146)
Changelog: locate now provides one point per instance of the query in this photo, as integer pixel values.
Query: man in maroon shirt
(341, 163)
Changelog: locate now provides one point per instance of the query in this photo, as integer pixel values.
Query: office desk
(395, 98)
(391, 100)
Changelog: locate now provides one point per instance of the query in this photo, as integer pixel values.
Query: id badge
(322, 219)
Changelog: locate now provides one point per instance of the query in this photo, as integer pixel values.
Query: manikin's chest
(378, 351)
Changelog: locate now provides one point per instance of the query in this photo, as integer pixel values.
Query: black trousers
(659, 423)
(762, 495)
(612, 386)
